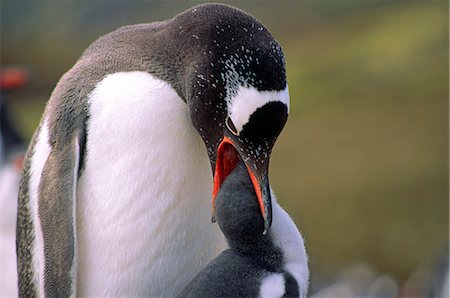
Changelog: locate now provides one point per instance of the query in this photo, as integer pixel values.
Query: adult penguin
(114, 195)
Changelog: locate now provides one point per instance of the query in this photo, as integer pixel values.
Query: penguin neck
(281, 246)
(261, 249)
(239, 217)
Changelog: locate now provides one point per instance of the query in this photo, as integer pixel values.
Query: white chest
(144, 198)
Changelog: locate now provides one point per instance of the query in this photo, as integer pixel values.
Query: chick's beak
(227, 160)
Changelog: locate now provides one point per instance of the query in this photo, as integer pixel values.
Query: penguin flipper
(46, 223)
(57, 208)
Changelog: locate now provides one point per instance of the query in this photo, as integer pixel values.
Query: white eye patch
(248, 99)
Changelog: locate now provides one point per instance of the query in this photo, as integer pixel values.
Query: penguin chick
(254, 265)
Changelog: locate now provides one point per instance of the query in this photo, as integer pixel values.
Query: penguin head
(237, 210)
(236, 92)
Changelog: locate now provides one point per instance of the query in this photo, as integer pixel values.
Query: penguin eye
(230, 125)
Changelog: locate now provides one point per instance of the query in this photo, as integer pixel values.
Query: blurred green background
(362, 165)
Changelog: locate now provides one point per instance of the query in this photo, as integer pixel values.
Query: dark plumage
(252, 256)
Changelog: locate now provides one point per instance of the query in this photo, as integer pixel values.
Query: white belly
(144, 198)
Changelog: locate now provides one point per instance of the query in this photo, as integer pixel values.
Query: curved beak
(228, 157)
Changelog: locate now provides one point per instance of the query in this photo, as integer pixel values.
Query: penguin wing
(46, 223)
(56, 203)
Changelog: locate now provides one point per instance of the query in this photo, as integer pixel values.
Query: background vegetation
(362, 165)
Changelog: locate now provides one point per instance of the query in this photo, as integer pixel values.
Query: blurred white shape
(336, 290)
(444, 292)
(358, 278)
(383, 286)
(9, 186)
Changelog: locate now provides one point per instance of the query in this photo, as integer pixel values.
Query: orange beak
(227, 160)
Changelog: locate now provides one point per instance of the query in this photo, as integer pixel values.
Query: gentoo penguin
(255, 265)
(115, 197)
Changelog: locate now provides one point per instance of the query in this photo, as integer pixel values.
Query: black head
(237, 209)
(236, 91)
(239, 216)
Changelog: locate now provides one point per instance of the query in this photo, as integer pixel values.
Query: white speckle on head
(247, 100)
(272, 286)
